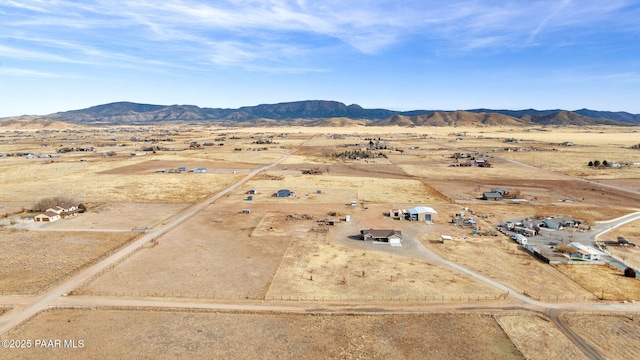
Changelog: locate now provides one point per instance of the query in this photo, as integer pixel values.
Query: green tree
(605, 163)
(590, 163)
(596, 163)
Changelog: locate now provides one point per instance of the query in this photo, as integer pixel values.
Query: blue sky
(58, 55)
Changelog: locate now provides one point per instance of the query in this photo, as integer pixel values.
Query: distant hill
(312, 112)
(453, 118)
(570, 118)
(36, 123)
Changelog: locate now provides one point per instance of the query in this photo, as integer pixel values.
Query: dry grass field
(120, 216)
(210, 255)
(34, 260)
(318, 268)
(270, 253)
(616, 337)
(367, 189)
(538, 338)
(604, 281)
(173, 335)
(506, 262)
(88, 182)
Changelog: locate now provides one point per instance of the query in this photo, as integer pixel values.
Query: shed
(284, 193)
(495, 196)
(445, 238)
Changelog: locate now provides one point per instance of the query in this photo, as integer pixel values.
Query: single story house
(584, 252)
(495, 196)
(63, 209)
(393, 237)
(47, 216)
(284, 193)
(422, 213)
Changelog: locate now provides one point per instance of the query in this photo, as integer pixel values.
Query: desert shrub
(630, 272)
(564, 249)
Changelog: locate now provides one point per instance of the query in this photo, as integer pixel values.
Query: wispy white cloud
(28, 73)
(588, 77)
(259, 33)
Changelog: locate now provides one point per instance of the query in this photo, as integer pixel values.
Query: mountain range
(316, 112)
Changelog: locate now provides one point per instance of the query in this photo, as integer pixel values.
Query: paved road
(20, 314)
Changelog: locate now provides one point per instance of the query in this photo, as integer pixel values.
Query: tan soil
(506, 262)
(33, 261)
(173, 335)
(538, 338)
(616, 337)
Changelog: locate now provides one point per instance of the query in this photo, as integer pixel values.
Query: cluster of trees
(359, 154)
(49, 202)
(604, 163)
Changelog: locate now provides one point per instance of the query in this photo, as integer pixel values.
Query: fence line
(488, 312)
(308, 298)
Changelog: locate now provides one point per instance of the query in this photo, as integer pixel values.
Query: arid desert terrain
(185, 251)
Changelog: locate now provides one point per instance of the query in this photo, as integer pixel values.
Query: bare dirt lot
(32, 261)
(616, 337)
(604, 281)
(171, 335)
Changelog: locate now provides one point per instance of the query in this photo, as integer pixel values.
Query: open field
(32, 261)
(120, 216)
(277, 252)
(88, 182)
(506, 262)
(538, 338)
(217, 258)
(268, 256)
(604, 281)
(316, 267)
(368, 189)
(169, 335)
(617, 337)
